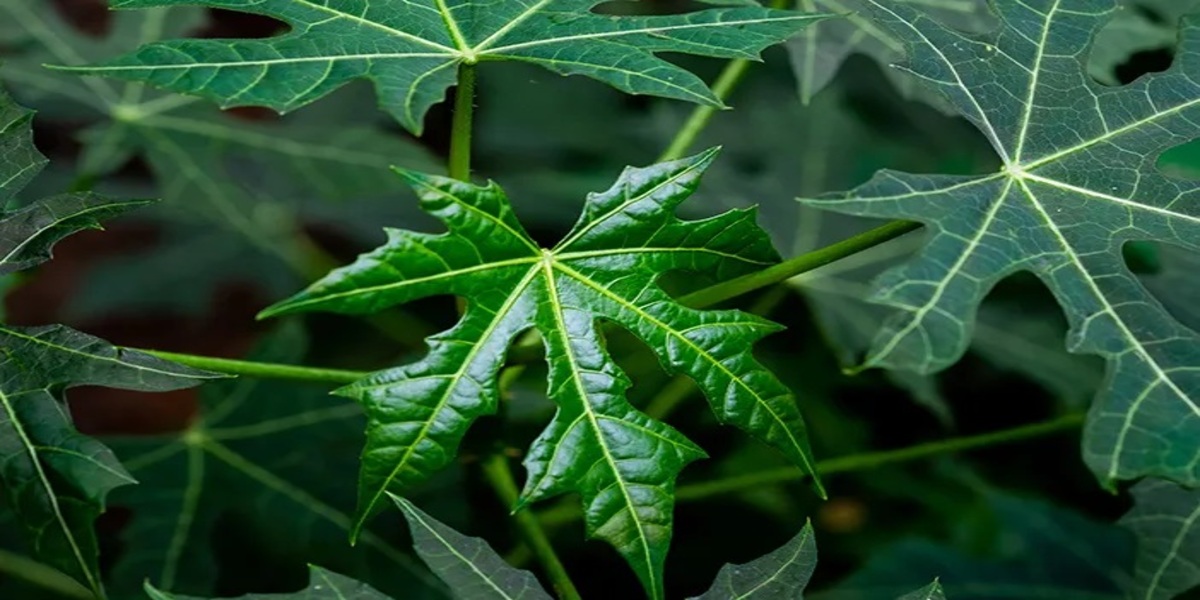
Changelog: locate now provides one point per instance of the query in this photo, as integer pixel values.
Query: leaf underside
(1079, 182)
(623, 463)
(54, 478)
(411, 49)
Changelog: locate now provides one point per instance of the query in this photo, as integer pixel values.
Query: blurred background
(256, 205)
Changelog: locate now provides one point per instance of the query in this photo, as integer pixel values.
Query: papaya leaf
(1140, 26)
(1071, 193)
(248, 454)
(236, 189)
(411, 49)
(56, 479)
(623, 463)
(323, 585)
(1166, 521)
(783, 573)
(469, 566)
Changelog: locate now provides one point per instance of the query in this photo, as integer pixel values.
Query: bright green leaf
(783, 573)
(323, 585)
(623, 463)
(467, 565)
(252, 451)
(1079, 181)
(411, 49)
(1166, 521)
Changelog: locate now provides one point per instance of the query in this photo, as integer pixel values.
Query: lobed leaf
(1079, 181)
(622, 462)
(1166, 522)
(411, 49)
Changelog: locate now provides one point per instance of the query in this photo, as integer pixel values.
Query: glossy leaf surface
(411, 49)
(783, 573)
(1079, 181)
(622, 462)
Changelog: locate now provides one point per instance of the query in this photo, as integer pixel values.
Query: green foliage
(1025, 218)
(605, 268)
(411, 50)
(56, 479)
(1048, 148)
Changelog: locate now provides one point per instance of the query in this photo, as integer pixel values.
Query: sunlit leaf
(622, 462)
(1078, 182)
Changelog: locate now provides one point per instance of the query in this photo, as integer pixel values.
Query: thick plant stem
(460, 129)
(873, 460)
(42, 576)
(500, 476)
(259, 369)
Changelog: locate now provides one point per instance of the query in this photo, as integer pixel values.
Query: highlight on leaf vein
(622, 462)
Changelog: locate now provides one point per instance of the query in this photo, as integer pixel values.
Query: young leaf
(322, 585)
(467, 565)
(623, 463)
(1079, 180)
(783, 573)
(411, 49)
(54, 478)
(249, 451)
(1166, 521)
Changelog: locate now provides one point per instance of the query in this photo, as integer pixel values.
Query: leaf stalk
(500, 476)
(463, 121)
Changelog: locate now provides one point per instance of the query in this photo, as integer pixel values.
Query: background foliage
(242, 483)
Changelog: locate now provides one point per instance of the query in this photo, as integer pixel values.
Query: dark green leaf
(1140, 26)
(323, 585)
(783, 573)
(1079, 181)
(279, 457)
(56, 479)
(623, 463)
(236, 189)
(411, 49)
(467, 565)
(1166, 522)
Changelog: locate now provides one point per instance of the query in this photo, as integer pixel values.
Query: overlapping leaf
(54, 478)
(468, 565)
(623, 463)
(323, 585)
(1079, 181)
(411, 49)
(276, 456)
(236, 190)
(1166, 522)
